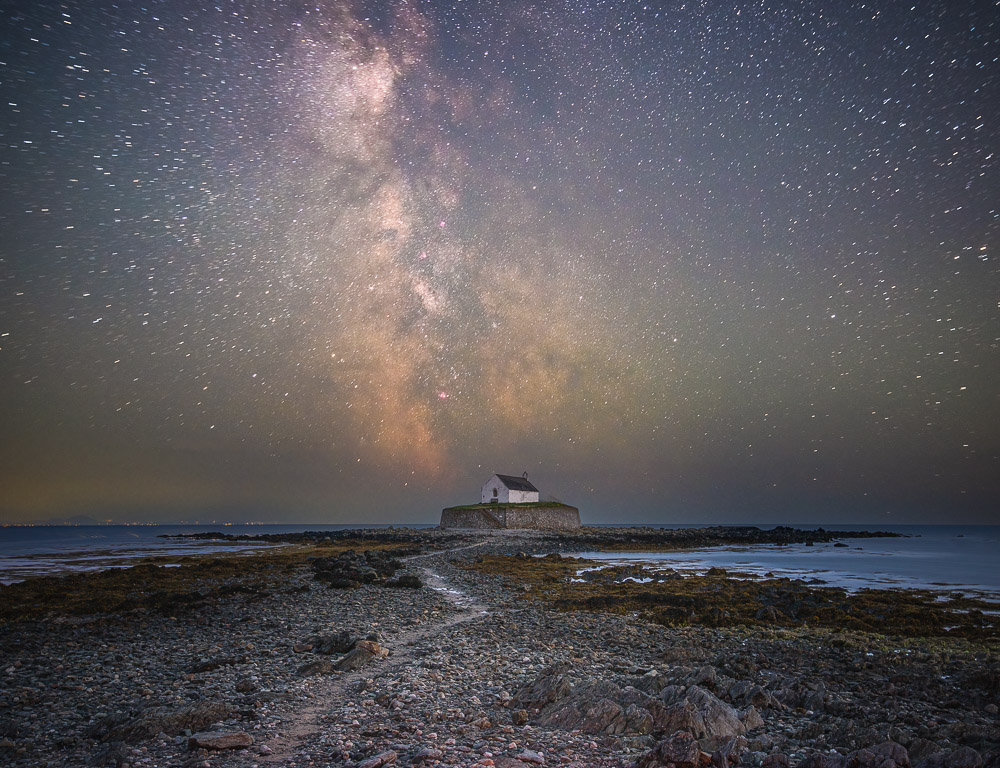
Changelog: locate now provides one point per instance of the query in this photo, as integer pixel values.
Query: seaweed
(167, 586)
(718, 599)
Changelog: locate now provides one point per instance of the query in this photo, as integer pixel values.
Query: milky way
(339, 262)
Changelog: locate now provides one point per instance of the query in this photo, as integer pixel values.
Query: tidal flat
(423, 647)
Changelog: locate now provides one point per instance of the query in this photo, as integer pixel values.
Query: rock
(602, 707)
(596, 707)
(406, 581)
(706, 676)
(775, 760)
(508, 762)
(888, 754)
(769, 614)
(361, 655)
(211, 664)
(153, 721)
(318, 667)
(371, 645)
(703, 715)
(730, 752)
(817, 760)
(603, 716)
(377, 761)
(340, 642)
(746, 693)
(528, 756)
(751, 719)
(219, 740)
(246, 685)
(599, 706)
(551, 685)
(963, 757)
(638, 719)
(115, 754)
(920, 749)
(681, 750)
(352, 569)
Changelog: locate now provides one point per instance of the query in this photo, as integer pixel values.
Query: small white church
(511, 502)
(507, 489)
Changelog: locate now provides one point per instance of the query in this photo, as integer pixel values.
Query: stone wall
(549, 517)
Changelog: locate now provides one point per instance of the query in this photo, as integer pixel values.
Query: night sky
(327, 262)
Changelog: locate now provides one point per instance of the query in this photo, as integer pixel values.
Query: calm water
(47, 549)
(947, 558)
(944, 557)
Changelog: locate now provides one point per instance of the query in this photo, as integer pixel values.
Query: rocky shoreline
(646, 539)
(413, 656)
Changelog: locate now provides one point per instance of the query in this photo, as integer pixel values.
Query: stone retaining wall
(555, 517)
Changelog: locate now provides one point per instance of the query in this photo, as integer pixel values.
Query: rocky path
(305, 724)
(446, 552)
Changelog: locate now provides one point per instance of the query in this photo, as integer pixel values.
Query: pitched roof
(517, 483)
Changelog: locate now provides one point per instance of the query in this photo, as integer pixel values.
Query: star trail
(339, 262)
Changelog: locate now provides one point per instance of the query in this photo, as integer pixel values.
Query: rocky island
(421, 648)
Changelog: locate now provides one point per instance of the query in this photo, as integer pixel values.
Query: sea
(48, 550)
(946, 558)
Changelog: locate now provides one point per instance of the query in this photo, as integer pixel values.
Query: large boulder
(704, 715)
(601, 707)
(551, 685)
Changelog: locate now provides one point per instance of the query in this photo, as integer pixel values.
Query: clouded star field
(339, 262)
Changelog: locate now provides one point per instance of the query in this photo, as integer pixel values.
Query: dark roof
(517, 483)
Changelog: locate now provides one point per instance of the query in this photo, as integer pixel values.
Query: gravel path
(306, 724)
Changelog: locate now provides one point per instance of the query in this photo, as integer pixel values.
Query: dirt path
(305, 723)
